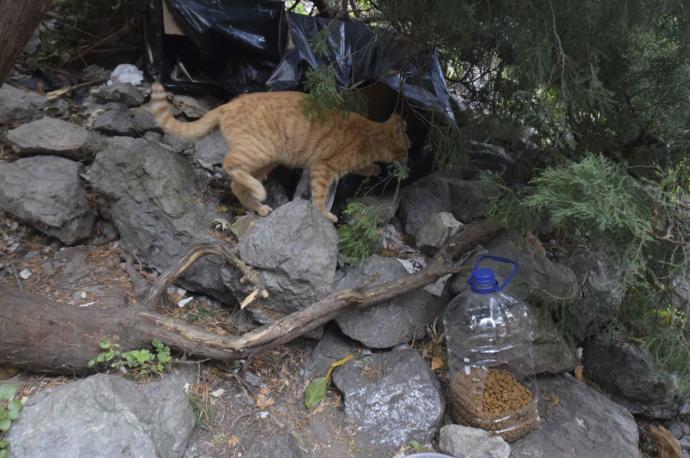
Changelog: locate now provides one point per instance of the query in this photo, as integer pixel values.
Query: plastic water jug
(490, 359)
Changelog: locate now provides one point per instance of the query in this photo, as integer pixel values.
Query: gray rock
(210, 150)
(155, 205)
(539, 277)
(117, 119)
(602, 290)
(114, 120)
(105, 416)
(422, 199)
(629, 375)
(294, 249)
(330, 348)
(45, 191)
(437, 231)
(50, 136)
(384, 206)
(273, 445)
(391, 398)
(468, 198)
(462, 441)
(17, 105)
(393, 322)
(680, 293)
(120, 93)
(582, 423)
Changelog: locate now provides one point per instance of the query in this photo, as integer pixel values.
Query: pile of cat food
(494, 400)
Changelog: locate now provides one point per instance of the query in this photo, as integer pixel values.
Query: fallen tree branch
(43, 335)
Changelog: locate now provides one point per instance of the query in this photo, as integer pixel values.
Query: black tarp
(243, 46)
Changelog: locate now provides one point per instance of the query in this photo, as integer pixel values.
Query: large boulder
(18, 105)
(50, 136)
(395, 321)
(437, 231)
(294, 249)
(629, 375)
(422, 199)
(391, 398)
(602, 290)
(45, 192)
(158, 209)
(469, 198)
(105, 416)
(578, 421)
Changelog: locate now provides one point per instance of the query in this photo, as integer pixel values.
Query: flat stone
(392, 322)
(578, 422)
(391, 398)
(457, 440)
(105, 416)
(49, 136)
(46, 192)
(17, 105)
(628, 373)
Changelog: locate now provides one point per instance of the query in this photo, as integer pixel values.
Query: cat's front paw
(264, 210)
(331, 216)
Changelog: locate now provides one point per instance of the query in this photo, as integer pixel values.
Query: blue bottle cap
(483, 280)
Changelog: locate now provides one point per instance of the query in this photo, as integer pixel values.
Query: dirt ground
(257, 413)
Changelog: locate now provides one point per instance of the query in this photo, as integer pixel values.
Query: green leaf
(4, 453)
(7, 392)
(316, 391)
(104, 344)
(13, 408)
(4, 444)
(91, 363)
(5, 425)
(157, 344)
(417, 446)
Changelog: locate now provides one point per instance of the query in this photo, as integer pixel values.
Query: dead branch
(44, 335)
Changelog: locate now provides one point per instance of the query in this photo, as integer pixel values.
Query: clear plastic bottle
(490, 359)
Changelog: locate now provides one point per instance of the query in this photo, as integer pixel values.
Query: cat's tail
(160, 109)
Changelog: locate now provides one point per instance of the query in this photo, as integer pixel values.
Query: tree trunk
(47, 336)
(18, 20)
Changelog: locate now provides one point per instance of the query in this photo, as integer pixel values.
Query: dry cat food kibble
(503, 393)
(494, 400)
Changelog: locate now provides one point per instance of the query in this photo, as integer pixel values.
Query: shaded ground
(258, 414)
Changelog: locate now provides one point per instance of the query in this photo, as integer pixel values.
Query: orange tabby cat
(266, 129)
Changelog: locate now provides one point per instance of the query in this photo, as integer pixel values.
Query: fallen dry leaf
(580, 373)
(263, 401)
(233, 441)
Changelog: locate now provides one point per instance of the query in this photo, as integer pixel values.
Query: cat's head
(399, 142)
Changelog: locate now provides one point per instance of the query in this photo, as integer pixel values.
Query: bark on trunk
(18, 20)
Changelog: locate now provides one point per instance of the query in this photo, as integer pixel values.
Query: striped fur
(264, 130)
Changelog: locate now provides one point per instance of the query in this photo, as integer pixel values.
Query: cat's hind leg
(248, 200)
(322, 177)
(247, 188)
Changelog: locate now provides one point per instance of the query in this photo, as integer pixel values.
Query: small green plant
(317, 388)
(359, 236)
(9, 411)
(139, 363)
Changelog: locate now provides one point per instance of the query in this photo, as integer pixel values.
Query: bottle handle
(511, 275)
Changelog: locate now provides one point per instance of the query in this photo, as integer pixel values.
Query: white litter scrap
(126, 73)
(25, 274)
(182, 302)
